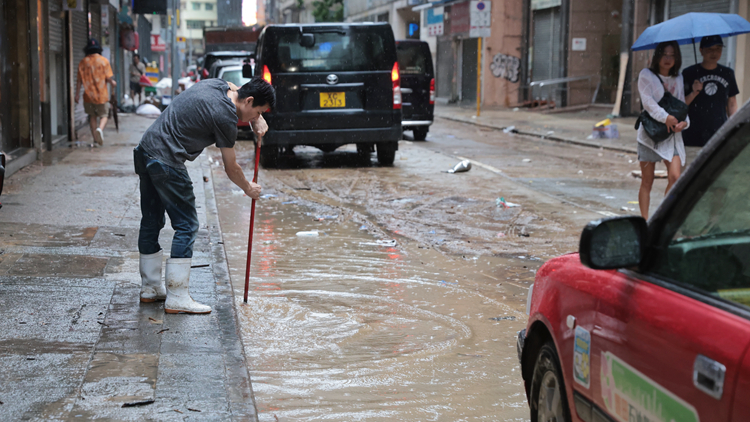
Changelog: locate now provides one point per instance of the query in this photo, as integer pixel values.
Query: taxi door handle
(708, 376)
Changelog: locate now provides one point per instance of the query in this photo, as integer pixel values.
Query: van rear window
(414, 59)
(350, 49)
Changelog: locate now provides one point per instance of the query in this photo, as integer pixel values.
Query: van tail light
(205, 73)
(432, 91)
(266, 74)
(396, 78)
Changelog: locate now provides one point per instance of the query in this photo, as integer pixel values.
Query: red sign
(460, 18)
(157, 43)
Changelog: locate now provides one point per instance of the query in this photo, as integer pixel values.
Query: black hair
(659, 52)
(136, 55)
(261, 91)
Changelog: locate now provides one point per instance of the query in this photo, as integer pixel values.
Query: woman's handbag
(656, 130)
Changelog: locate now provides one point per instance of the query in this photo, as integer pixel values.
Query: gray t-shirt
(199, 117)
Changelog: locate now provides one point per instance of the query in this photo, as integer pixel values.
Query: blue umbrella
(691, 27)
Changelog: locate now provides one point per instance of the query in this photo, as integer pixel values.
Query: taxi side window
(711, 248)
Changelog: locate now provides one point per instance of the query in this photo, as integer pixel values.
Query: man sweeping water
(203, 115)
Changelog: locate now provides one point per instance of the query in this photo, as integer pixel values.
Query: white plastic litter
(148, 110)
(164, 83)
(312, 233)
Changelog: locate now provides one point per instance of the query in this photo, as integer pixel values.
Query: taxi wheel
(548, 395)
(386, 153)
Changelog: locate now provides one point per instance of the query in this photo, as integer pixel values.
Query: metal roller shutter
(680, 7)
(55, 27)
(444, 72)
(80, 37)
(546, 54)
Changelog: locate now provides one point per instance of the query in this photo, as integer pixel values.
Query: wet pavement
(401, 303)
(75, 342)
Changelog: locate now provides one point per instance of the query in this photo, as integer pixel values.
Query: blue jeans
(165, 188)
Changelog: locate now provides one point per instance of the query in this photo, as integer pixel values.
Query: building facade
(41, 43)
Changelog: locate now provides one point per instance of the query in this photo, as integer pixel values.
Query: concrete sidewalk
(573, 127)
(75, 341)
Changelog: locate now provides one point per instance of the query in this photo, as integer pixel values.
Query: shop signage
(435, 21)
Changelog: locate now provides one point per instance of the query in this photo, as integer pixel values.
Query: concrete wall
(501, 67)
(742, 70)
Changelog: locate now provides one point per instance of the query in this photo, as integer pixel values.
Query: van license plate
(332, 99)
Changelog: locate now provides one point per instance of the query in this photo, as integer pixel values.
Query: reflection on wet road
(349, 326)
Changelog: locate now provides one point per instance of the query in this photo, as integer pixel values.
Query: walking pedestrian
(204, 115)
(662, 74)
(94, 72)
(137, 69)
(711, 92)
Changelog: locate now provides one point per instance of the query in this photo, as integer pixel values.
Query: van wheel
(420, 134)
(386, 153)
(269, 156)
(548, 395)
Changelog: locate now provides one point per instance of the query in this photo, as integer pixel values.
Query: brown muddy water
(354, 324)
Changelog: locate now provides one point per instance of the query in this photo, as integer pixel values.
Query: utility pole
(174, 49)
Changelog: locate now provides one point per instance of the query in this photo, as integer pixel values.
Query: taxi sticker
(582, 357)
(631, 396)
(741, 296)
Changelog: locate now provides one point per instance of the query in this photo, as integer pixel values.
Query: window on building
(196, 6)
(192, 24)
(209, 6)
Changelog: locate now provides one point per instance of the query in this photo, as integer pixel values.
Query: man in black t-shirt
(710, 91)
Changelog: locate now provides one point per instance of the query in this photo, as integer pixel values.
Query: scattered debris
(205, 179)
(501, 234)
(501, 202)
(193, 410)
(101, 323)
(162, 330)
(312, 233)
(503, 318)
(363, 227)
(139, 403)
(288, 202)
(148, 110)
(461, 167)
(526, 160)
(580, 171)
(471, 356)
(118, 234)
(30, 358)
(176, 410)
(633, 202)
(325, 217)
(510, 129)
(379, 243)
(200, 265)
(268, 242)
(268, 195)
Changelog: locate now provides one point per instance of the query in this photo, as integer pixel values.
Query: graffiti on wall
(505, 66)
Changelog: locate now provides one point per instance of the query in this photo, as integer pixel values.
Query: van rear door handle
(406, 90)
(708, 376)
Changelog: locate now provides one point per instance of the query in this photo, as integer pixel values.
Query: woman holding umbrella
(662, 75)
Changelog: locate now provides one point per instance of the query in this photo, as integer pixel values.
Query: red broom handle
(252, 220)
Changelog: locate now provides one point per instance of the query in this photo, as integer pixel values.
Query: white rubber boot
(178, 290)
(152, 286)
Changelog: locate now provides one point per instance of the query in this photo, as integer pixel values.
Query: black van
(417, 86)
(335, 84)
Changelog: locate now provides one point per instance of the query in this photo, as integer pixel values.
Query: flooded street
(406, 304)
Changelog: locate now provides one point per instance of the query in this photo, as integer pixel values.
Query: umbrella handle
(252, 221)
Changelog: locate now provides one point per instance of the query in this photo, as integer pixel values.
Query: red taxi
(651, 322)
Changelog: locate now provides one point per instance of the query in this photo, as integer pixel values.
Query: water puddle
(351, 325)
